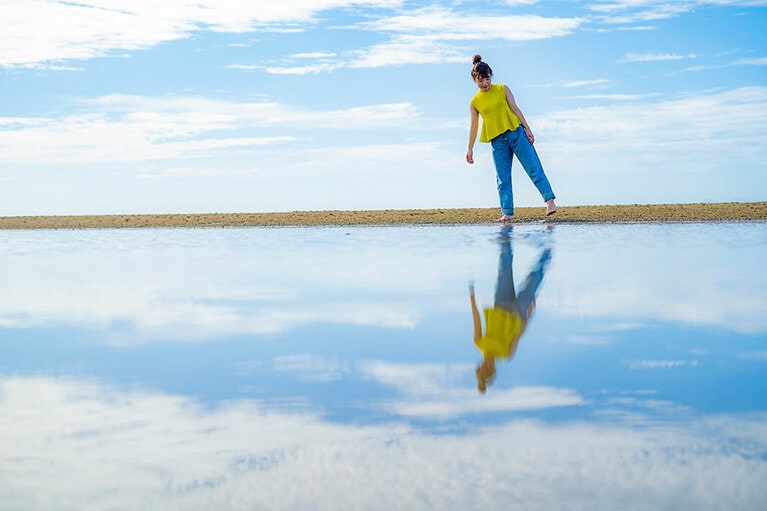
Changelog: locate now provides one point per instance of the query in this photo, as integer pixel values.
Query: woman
(506, 129)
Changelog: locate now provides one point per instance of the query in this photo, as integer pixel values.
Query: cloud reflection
(312, 368)
(435, 391)
(168, 289)
(80, 444)
(638, 275)
(198, 284)
(456, 402)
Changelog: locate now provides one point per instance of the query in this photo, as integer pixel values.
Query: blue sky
(248, 106)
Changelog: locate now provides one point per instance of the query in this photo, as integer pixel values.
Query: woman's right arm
(474, 116)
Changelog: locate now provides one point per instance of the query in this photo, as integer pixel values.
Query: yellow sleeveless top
(502, 328)
(497, 116)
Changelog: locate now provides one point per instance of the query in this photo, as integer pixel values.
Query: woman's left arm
(476, 319)
(518, 113)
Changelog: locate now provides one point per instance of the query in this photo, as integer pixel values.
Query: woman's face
(484, 82)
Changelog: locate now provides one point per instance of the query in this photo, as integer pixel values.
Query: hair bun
(477, 58)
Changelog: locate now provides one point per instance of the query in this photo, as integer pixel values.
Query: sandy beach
(706, 212)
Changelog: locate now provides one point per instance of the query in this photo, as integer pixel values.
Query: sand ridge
(700, 212)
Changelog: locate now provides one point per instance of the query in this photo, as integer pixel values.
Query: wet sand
(708, 212)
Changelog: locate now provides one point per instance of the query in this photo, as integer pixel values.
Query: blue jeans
(507, 145)
(506, 296)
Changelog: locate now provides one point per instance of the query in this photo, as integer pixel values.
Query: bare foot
(505, 218)
(551, 208)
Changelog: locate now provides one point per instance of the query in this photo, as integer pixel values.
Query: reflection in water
(506, 321)
(323, 382)
(79, 444)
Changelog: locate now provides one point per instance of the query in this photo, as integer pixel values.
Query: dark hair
(480, 69)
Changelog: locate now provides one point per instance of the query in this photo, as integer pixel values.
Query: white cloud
(754, 61)
(655, 57)
(657, 148)
(250, 178)
(412, 379)
(79, 444)
(446, 24)
(43, 33)
(436, 391)
(615, 97)
(633, 11)
(312, 55)
(120, 128)
(146, 286)
(40, 32)
(165, 310)
(661, 364)
(154, 307)
(587, 83)
(291, 69)
(92, 280)
(430, 36)
(690, 287)
(755, 355)
(454, 403)
(704, 127)
(407, 49)
(638, 11)
(588, 340)
(312, 368)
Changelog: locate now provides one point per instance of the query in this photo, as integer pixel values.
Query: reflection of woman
(506, 321)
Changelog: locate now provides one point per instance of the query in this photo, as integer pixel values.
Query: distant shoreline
(637, 213)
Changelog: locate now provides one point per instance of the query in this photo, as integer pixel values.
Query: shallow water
(335, 368)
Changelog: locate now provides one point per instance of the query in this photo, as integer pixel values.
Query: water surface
(336, 368)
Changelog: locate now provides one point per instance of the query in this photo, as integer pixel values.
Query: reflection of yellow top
(497, 116)
(502, 328)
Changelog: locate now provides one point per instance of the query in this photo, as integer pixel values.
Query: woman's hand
(473, 127)
(529, 134)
